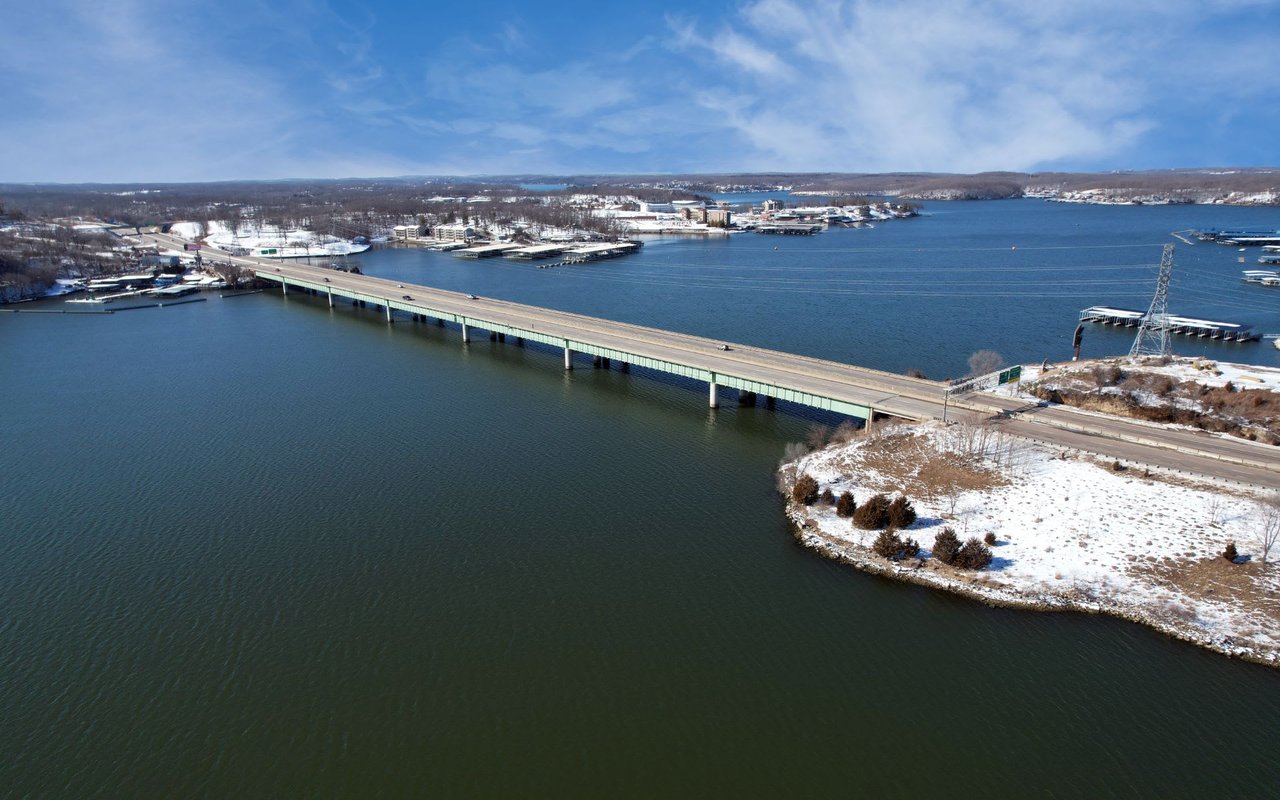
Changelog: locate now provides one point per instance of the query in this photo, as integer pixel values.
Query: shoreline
(920, 573)
(1066, 532)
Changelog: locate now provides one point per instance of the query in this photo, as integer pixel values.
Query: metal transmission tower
(1153, 334)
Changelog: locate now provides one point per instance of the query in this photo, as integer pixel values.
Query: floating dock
(789, 228)
(1242, 238)
(1263, 276)
(536, 251)
(486, 250)
(1185, 326)
(600, 251)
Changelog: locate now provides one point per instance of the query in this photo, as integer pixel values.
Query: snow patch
(1070, 532)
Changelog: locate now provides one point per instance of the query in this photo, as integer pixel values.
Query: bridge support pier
(330, 298)
(568, 358)
(466, 334)
(388, 307)
(713, 400)
(284, 286)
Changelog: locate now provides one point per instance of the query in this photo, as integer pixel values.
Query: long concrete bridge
(829, 385)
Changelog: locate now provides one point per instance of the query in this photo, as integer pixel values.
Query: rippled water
(255, 547)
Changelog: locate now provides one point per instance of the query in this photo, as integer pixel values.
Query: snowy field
(1071, 531)
(1198, 370)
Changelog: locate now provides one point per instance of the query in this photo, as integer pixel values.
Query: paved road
(888, 393)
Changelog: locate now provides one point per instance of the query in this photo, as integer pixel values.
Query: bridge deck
(825, 384)
(828, 385)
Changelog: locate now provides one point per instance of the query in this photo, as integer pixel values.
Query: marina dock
(1185, 326)
(486, 250)
(600, 251)
(1265, 277)
(536, 251)
(1239, 237)
(789, 228)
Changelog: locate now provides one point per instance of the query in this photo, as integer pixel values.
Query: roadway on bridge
(888, 393)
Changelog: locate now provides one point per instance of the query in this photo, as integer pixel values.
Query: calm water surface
(255, 547)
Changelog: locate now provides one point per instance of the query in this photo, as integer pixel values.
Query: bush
(805, 491)
(901, 512)
(872, 514)
(845, 506)
(989, 539)
(1231, 554)
(889, 545)
(973, 554)
(945, 546)
(827, 498)
(910, 548)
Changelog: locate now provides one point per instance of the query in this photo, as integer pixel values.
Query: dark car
(407, 296)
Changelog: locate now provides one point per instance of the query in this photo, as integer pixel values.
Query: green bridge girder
(670, 367)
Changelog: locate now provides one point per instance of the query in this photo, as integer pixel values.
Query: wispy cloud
(238, 88)
(964, 86)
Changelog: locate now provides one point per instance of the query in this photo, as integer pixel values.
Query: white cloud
(963, 86)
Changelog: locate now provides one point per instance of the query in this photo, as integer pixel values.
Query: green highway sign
(1011, 375)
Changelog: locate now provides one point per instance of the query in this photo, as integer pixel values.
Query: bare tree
(984, 361)
(1214, 507)
(1269, 529)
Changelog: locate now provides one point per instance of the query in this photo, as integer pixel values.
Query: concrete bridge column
(714, 401)
(330, 298)
(466, 334)
(568, 358)
(388, 307)
(284, 286)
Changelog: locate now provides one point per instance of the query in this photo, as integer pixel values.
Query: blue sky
(152, 91)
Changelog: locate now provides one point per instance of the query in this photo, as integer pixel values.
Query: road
(884, 392)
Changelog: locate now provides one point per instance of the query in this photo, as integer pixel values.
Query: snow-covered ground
(1071, 532)
(1184, 384)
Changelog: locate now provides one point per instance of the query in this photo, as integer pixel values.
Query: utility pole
(1153, 334)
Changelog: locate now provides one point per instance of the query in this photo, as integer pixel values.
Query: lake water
(256, 547)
